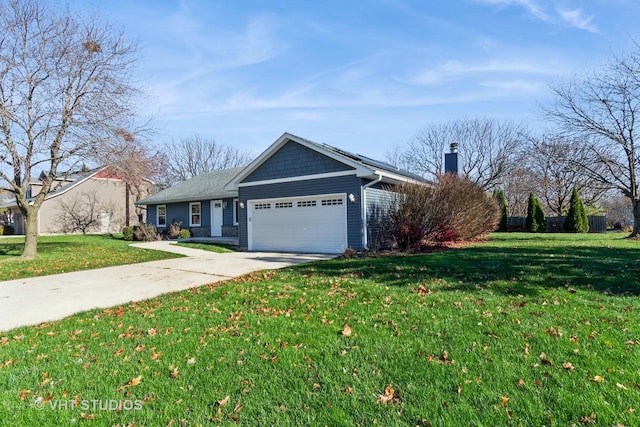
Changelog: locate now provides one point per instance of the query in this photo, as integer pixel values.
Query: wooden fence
(555, 224)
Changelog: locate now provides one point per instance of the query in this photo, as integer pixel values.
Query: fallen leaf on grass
(24, 394)
(504, 401)
(544, 360)
(174, 372)
(223, 402)
(348, 390)
(598, 379)
(621, 386)
(568, 366)
(390, 396)
(87, 416)
(346, 331)
(134, 382)
(590, 419)
(445, 359)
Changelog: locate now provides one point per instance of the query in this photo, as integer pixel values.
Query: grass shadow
(518, 267)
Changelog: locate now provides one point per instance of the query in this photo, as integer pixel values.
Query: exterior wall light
(352, 198)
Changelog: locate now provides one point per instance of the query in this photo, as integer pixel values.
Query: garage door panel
(310, 224)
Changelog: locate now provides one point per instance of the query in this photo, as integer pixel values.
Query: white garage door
(305, 224)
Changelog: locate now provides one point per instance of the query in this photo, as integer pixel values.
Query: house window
(161, 214)
(236, 210)
(194, 218)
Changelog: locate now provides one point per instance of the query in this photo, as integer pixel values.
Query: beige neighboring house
(84, 202)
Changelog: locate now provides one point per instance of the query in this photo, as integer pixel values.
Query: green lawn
(211, 247)
(61, 254)
(525, 330)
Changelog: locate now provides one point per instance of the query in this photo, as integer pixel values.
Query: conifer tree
(536, 222)
(577, 220)
(502, 202)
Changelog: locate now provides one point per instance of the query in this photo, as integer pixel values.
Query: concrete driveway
(42, 299)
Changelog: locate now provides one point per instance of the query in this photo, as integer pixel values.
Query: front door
(216, 218)
(105, 222)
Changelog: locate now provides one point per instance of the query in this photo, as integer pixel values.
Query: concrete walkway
(40, 299)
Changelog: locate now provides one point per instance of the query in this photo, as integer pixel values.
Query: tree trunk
(127, 213)
(30, 234)
(636, 218)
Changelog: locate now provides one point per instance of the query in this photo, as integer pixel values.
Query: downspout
(365, 227)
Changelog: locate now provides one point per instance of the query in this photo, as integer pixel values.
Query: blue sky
(360, 75)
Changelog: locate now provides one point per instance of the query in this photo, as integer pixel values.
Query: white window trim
(158, 216)
(191, 205)
(236, 217)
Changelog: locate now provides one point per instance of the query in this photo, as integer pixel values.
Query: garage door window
(260, 206)
(331, 202)
(284, 205)
(306, 203)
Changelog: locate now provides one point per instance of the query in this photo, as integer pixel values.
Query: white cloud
(516, 87)
(456, 70)
(530, 6)
(576, 19)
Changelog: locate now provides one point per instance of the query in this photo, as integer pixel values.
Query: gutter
(363, 197)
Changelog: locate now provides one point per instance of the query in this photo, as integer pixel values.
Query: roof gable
(294, 159)
(361, 166)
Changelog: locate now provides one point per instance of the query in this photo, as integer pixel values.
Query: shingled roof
(206, 186)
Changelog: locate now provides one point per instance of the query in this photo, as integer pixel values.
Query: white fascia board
(392, 178)
(296, 178)
(361, 171)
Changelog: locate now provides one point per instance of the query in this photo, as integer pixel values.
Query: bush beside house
(452, 209)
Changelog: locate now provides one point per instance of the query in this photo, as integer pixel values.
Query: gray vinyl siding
(180, 213)
(151, 215)
(293, 159)
(227, 213)
(349, 184)
(379, 199)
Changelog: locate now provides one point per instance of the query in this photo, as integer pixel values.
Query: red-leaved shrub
(451, 209)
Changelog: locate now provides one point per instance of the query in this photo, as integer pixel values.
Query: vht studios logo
(90, 405)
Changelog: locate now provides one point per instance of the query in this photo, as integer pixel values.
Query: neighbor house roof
(365, 167)
(206, 186)
(66, 182)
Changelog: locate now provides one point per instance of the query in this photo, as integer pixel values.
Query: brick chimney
(451, 160)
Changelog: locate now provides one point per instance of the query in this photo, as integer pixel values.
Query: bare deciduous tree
(488, 149)
(65, 90)
(551, 163)
(517, 186)
(602, 110)
(82, 213)
(196, 155)
(139, 168)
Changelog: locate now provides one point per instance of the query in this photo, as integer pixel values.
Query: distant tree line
(591, 150)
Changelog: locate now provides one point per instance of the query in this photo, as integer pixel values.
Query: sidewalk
(41, 299)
